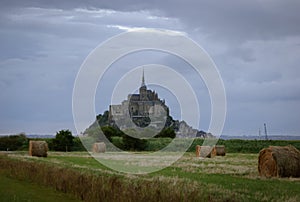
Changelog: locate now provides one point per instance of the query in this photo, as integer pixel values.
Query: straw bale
(198, 150)
(99, 147)
(38, 148)
(220, 150)
(207, 151)
(277, 161)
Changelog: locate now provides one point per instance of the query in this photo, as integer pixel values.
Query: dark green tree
(63, 141)
(103, 119)
(166, 132)
(77, 145)
(110, 132)
(134, 144)
(13, 142)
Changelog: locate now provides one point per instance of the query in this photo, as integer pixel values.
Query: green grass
(247, 146)
(245, 188)
(236, 173)
(17, 190)
(230, 178)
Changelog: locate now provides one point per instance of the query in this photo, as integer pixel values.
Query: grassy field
(16, 190)
(230, 178)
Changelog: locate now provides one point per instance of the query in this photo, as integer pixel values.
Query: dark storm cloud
(232, 19)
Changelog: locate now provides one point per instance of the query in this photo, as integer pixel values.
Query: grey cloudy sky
(254, 44)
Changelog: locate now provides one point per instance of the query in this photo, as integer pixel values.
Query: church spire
(143, 79)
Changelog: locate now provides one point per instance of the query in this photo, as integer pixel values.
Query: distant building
(140, 108)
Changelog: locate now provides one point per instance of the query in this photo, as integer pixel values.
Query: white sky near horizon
(254, 44)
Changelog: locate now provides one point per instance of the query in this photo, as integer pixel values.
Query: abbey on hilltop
(143, 109)
(140, 107)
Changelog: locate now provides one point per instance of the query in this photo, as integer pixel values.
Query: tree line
(63, 141)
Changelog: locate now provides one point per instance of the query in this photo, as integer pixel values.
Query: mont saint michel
(145, 109)
(140, 107)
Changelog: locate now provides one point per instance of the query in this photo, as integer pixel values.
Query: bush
(134, 144)
(63, 141)
(155, 144)
(110, 132)
(118, 142)
(246, 146)
(166, 133)
(13, 142)
(77, 145)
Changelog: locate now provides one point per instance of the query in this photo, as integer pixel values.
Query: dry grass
(113, 187)
(233, 164)
(233, 177)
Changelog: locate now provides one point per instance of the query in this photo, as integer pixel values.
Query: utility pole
(266, 134)
(259, 133)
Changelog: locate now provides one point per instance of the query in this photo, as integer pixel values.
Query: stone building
(140, 108)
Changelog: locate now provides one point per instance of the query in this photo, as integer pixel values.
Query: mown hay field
(15, 190)
(233, 177)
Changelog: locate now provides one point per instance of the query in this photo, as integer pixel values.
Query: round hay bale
(198, 150)
(99, 147)
(276, 161)
(213, 152)
(207, 151)
(220, 150)
(38, 148)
